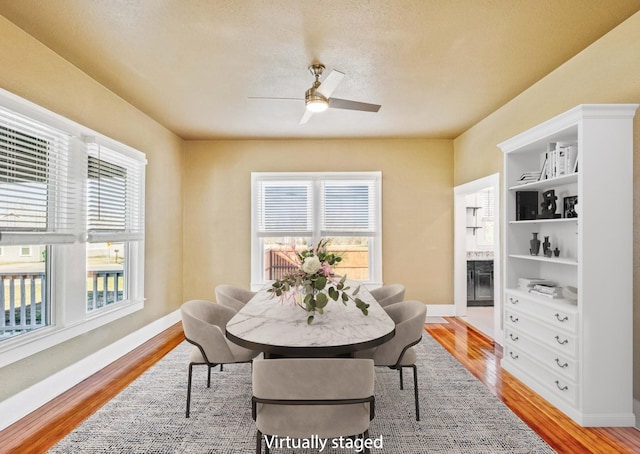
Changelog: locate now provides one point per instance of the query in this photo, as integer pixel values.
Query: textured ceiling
(436, 66)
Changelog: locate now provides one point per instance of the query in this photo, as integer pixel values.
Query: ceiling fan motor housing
(315, 102)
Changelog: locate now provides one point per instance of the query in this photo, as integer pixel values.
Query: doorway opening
(477, 268)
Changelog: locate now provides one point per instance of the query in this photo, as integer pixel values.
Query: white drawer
(555, 384)
(555, 314)
(551, 336)
(555, 361)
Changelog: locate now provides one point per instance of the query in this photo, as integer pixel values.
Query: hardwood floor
(39, 431)
(482, 357)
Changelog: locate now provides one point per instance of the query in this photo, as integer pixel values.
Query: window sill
(25, 345)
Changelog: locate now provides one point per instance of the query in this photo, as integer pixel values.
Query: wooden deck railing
(22, 295)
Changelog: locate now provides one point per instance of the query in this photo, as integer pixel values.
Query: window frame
(67, 264)
(317, 178)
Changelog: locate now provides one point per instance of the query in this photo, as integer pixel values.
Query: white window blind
(285, 208)
(348, 207)
(37, 197)
(487, 203)
(115, 192)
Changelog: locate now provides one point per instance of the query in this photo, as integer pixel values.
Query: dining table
(278, 326)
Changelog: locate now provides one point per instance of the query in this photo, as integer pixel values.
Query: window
(71, 211)
(115, 224)
(295, 210)
(485, 235)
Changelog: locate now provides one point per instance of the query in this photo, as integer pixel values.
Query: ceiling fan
(318, 98)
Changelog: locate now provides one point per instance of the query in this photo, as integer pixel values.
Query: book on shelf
(560, 159)
(547, 289)
(548, 295)
(534, 280)
(528, 284)
(528, 177)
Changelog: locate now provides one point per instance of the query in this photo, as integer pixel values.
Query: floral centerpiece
(314, 282)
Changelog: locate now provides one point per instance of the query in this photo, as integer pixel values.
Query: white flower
(311, 264)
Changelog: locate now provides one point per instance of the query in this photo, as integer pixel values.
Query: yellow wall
(417, 177)
(34, 72)
(606, 72)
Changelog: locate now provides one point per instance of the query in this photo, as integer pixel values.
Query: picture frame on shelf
(569, 207)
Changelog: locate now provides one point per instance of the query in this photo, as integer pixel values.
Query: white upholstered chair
(301, 397)
(204, 326)
(409, 317)
(232, 296)
(388, 294)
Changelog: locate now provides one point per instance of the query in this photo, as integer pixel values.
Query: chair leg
(208, 375)
(258, 442)
(415, 391)
(401, 378)
(220, 367)
(365, 437)
(189, 389)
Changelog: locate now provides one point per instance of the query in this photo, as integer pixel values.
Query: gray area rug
(458, 413)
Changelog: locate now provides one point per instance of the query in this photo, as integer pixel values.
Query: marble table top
(273, 326)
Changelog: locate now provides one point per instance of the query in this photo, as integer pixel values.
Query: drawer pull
(561, 342)
(562, 366)
(513, 338)
(563, 319)
(512, 301)
(513, 319)
(513, 356)
(561, 388)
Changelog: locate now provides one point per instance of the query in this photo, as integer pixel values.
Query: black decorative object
(556, 252)
(546, 247)
(570, 206)
(526, 205)
(535, 244)
(548, 205)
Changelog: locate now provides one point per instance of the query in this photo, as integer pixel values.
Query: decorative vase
(535, 244)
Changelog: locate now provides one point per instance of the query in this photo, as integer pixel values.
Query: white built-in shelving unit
(575, 354)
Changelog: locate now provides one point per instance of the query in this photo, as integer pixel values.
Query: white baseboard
(20, 405)
(441, 310)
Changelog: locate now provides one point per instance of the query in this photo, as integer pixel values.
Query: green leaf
(310, 320)
(321, 300)
(355, 292)
(320, 282)
(333, 293)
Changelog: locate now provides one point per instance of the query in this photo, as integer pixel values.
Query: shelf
(542, 258)
(546, 221)
(552, 182)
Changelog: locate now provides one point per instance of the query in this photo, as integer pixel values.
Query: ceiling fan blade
(337, 103)
(330, 83)
(276, 98)
(305, 117)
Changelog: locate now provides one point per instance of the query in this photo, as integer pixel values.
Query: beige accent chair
(204, 325)
(233, 297)
(301, 397)
(409, 317)
(388, 294)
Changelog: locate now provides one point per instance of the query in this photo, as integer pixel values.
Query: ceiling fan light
(316, 105)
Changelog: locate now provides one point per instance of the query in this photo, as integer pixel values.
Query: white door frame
(460, 249)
